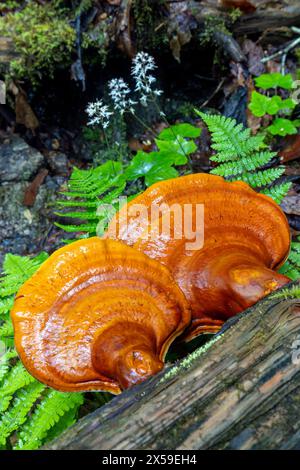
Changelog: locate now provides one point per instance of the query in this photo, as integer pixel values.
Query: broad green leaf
(160, 174)
(261, 104)
(152, 166)
(183, 130)
(274, 80)
(282, 127)
(178, 149)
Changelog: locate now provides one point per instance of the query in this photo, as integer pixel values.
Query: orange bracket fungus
(97, 315)
(246, 239)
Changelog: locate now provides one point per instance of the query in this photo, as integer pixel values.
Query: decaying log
(239, 391)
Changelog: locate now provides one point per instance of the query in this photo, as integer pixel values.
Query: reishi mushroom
(97, 315)
(246, 239)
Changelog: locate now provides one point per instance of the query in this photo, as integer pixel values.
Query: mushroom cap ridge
(92, 293)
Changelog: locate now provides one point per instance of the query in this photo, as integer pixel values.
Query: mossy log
(239, 391)
(203, 20)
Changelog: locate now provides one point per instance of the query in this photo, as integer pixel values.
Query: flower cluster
(143, 64)
(119, 92)
(98, 113)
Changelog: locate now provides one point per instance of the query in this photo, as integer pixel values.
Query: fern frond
(21, 405)
(288, 293)
(278, 192)
(6, 305)
(261, 178)
(90, 228)
(74, 203)
(240, 158)
(5, 363)
(65, 421)
(6, 328)
(17, 378)
(78, 215)
(17, 269)
(230, 140)
(47, 414)
(19, 391)
(87, 190)
(291, 267)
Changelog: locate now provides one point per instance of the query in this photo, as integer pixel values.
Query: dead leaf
(254, 54)
(32, 190)
(292, 149)
(291, 205)
(179, 27)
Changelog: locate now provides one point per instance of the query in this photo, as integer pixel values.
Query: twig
(284, 51)
(214, 93)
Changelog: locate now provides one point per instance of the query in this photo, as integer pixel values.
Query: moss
(234, 15)
(150, 28)
(211, 25)
(9, 6)
(187, 362)
(43, 39)
(97, 41)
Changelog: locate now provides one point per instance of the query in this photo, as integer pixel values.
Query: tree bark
(239, 391)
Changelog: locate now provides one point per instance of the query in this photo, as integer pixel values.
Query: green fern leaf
(17, 269)
(5, 363)
(6, 328)
(17, 414)
(78, 215)
(240, 158)
(291, 267)
(278, 192)
(230, 139)
(47, 414)
(72, 203)
(64, 422)
(288, 293)
(89, 228)
(17, 378)
(6, 305)
(261, 178)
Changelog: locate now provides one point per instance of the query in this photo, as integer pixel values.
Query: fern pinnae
(47, 414)
(6, 328)
(74, 203)
(240, 156)
(6, 304)
(19, 410)
(291, 267)
(261, 178)
(89, 228)
(230, 140)
(288, 293)
(5, 363)
(17, 378)
(67, 420)
(277, 192)
(83, 215)
(17, 269)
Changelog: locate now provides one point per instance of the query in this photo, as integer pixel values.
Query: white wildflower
(98, 113)
(143, 64)
(119, 92)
